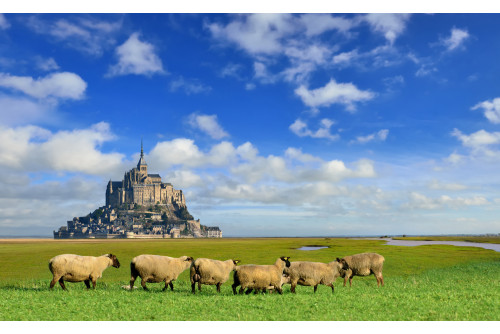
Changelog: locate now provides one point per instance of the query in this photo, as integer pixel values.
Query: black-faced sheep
(313, 274)
(210, 272)
(260, 276)
(362, 265)
(157, 268)
(76, 268)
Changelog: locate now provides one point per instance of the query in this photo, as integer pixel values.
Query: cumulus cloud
(316, 24)
(477, 139)
(301, 129)
(457, 39)
(378, 136)
(333, 93)
(491, 109)
(390, 25)
(207, 124)
(46, 64)
(35, 149)
(64, 85)
(136, 57)
(438, 185)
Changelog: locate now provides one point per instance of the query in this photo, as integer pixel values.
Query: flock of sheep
(250, 277)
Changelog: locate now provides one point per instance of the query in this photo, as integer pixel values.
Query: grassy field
(490, 240)
(435, 282)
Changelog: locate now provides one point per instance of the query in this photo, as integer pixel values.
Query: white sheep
(157, 268)
(76, 268)
(313, 274)
(260, 277)
(210, 272)
(363, 264)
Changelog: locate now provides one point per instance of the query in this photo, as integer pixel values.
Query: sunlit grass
(421, 283)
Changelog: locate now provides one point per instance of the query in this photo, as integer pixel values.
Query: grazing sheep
(362, 265)
(313, 273)
(285, 279)
(210, 272)
(260, 276)
(157, 268)
(76, 268)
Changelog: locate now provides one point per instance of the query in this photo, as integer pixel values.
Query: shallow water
(310, 248)
(391, 242)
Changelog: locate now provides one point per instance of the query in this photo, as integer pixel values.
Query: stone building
(140, 188)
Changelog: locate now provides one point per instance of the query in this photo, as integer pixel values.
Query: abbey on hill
(139, 206)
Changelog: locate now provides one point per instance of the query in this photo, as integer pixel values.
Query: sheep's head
(189, 259)
(343, 263)
(285, 258)
(113, 258)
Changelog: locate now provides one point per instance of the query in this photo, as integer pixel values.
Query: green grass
(490, 240)
(421, 283)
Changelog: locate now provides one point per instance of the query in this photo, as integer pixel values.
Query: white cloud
(35, 149)
(456, 39)
(380, 136)
(207, 124)
(390, 25)
(333, 93)
(316, 24)
(64, 85)
(46, 64)
(419, 201)
(302, 130)
(491, 109)
(136, 57)
(83, 33)
(345, 58)
(189, 86)
(256, 33)
(477, 139)
(4, 24)
(438, 185)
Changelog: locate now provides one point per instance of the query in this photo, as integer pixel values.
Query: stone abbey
(139, 206)
(140, 188)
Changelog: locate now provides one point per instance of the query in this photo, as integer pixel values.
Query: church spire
(142, 161)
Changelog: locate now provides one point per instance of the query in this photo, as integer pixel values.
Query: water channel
(391, 242)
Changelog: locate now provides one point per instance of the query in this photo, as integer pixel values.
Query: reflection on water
(310, 248)
(391, 242)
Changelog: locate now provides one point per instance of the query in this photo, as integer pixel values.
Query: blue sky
(272, 124)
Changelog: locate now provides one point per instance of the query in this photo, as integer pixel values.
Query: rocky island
(139, 206)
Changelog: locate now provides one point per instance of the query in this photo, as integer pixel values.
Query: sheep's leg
(249, 290)
(293, 284)
(350, 280)
(166, 286)
(241, 290)
(345, 279)
(94, 282)
(315, 288)
(143, 283)
(280, 291)
(382, 279)
(132, 281)
(218, 287)
(53, 282)
(61, 282)
(171, 286)
(199, 286)
(193, 290)
(234, 288)
(331, 286)
(87, 284)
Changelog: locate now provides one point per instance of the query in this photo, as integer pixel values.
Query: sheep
(363, 264)
(157, 268)
(260, 276)
(76, 268)
(210, 272)
(313, 274)
(285, 279)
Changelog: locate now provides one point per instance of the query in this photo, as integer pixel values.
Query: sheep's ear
(236, 261)
(189, 258)
(338, 260)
